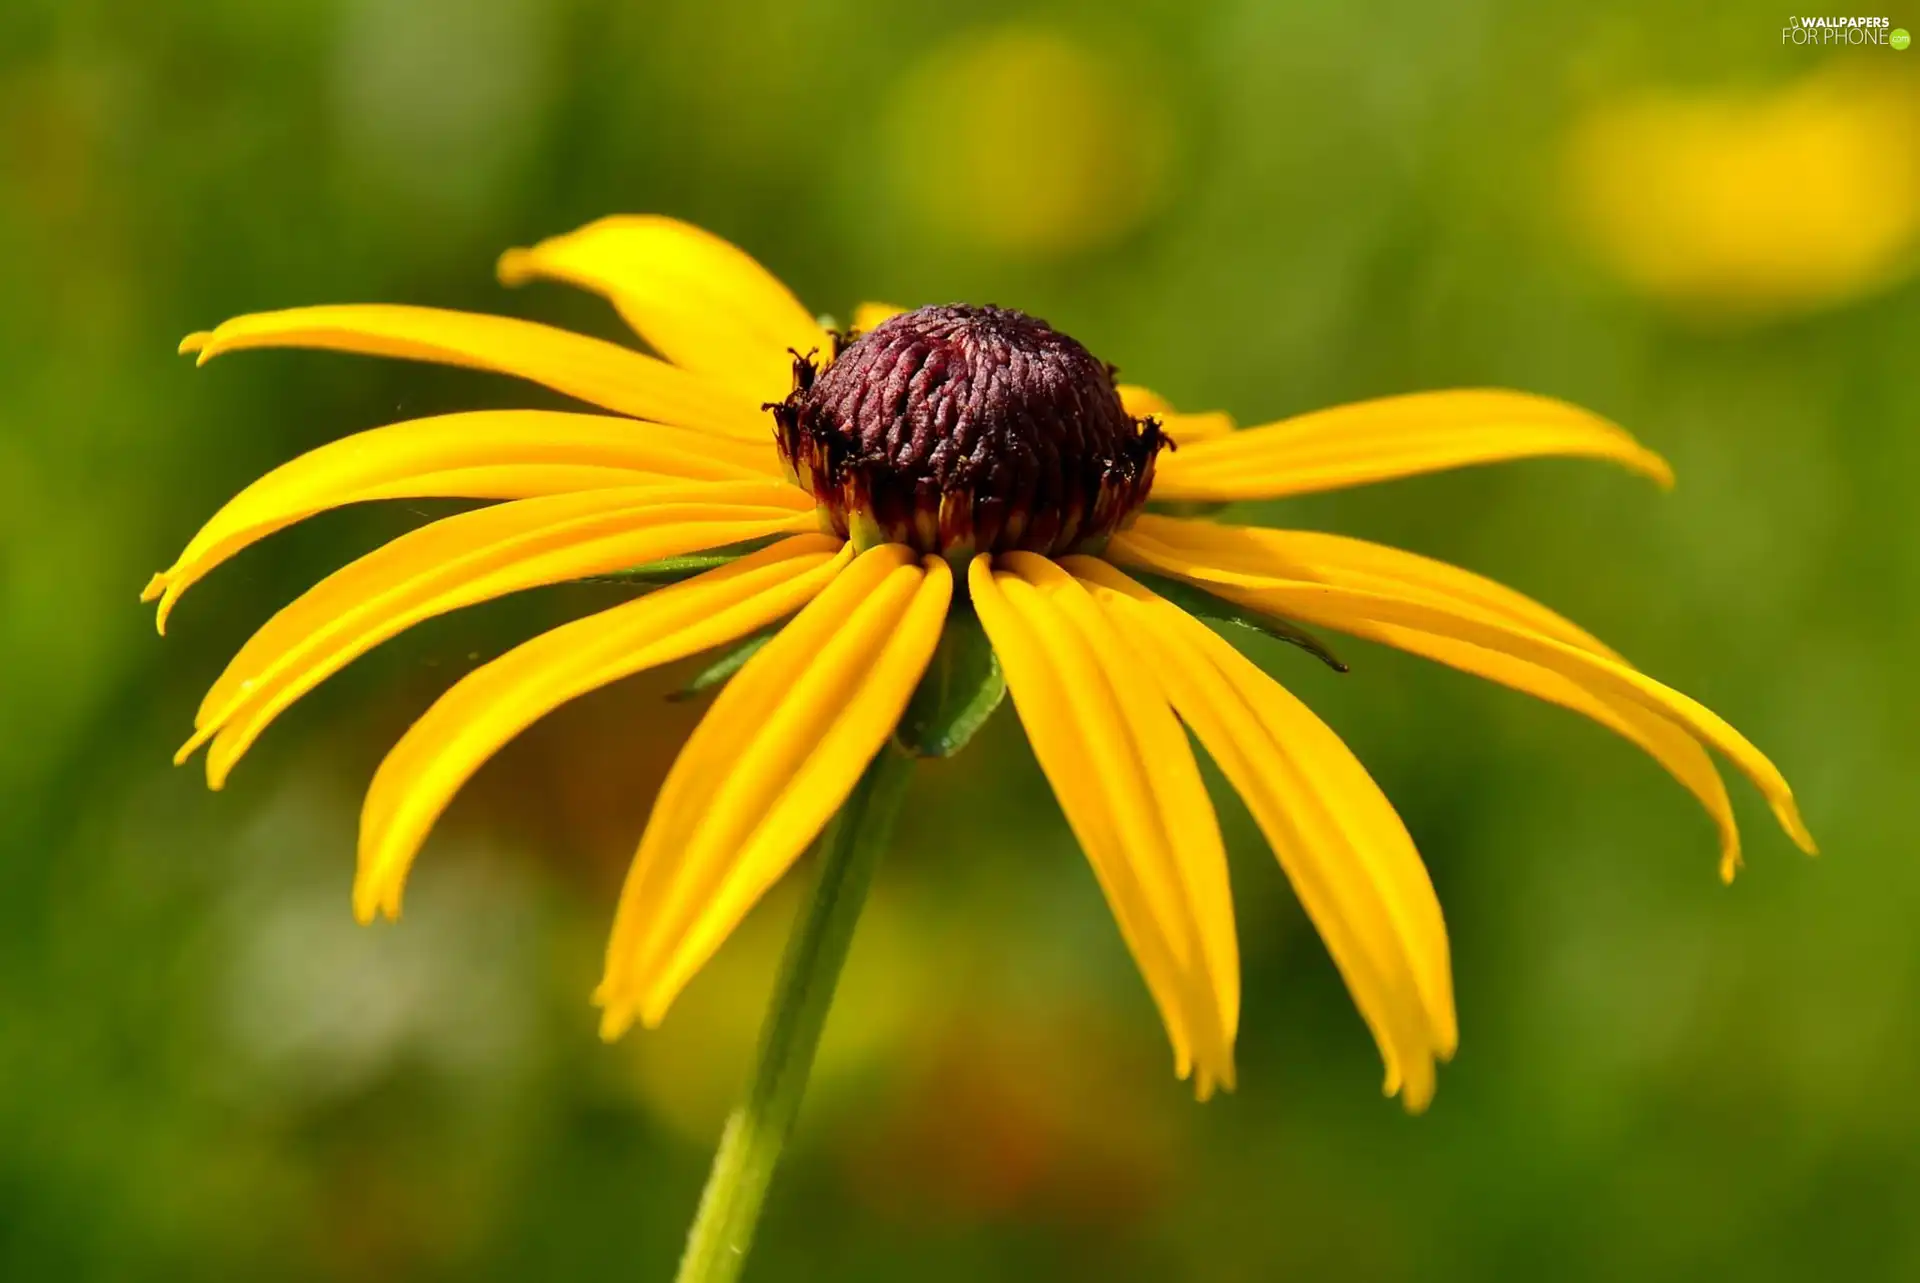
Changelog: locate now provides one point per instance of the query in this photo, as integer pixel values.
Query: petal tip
(1416, 1092)
(169, 594)
(515, 267)
(376, 894)
(615, 1020)
(1656, 468)
(194, 342)
(1788, 815)
(192, 746)
(653, 1010)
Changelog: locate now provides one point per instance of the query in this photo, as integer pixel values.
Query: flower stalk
(757, 1130)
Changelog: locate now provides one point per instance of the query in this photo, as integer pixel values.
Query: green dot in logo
(1899, 38)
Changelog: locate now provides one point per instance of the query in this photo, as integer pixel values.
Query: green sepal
(1198, 601)
(671, 570)
(1186, 508)
(962, 687)
(716, 673)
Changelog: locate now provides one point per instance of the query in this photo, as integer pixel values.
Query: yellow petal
(1395, 436)
(488, 454)
(1356, 563)
(494, 703)
(605, 374)
(699, 301)
(1127, 784)
(1363, 564)
(1336, 835)
(868, 315)
(1185, 429)
(1139, 401)
(1063, 746)
(1195, 885)
(1658, 737)
(781, 749)
(1365, 612)
(459, 561)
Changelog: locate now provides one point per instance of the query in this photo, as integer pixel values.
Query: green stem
(758, 1128)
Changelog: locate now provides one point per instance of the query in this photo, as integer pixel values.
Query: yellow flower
(1753, 204)
(1096, 172)
(947, 437)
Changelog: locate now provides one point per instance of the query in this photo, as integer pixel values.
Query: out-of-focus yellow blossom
(1754, 203)
(1022, 142)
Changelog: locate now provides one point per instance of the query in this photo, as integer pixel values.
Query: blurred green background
(207, 1072)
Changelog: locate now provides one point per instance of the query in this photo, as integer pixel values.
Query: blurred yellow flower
(954, 472)
(1023, 142)
(1749, 203)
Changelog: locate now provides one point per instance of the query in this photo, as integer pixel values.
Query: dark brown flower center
(967, 429)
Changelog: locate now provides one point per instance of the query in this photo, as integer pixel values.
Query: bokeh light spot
(1753, 204)
(1025, 143)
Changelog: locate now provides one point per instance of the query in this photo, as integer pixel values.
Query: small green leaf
(1198, 601)
(671, 570)
(962, 687)
(717, 673)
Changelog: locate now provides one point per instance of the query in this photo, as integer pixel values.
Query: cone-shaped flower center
(967, 429)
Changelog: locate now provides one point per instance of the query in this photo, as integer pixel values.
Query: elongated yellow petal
(1127, 783)
(1396, 436)
(488, 454)
(781, 749)
(1363, 564)
(1356, 563)
(1185, 429)
(868, 315)
(865, 581)
(1365, 612)
(605, 374)
(1195, 878)
(1658, 737)
(701, 302)
(1054, 729)
(1339, 840)
(494, 703)
(459, 561)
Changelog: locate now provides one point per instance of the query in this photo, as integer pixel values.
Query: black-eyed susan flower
(923, 471)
